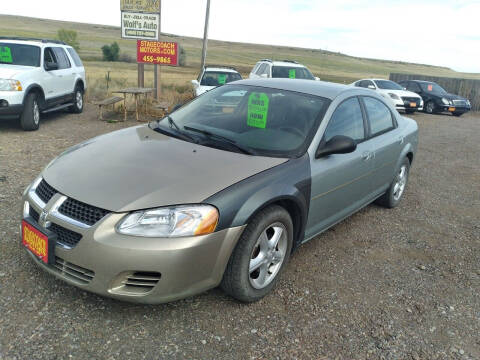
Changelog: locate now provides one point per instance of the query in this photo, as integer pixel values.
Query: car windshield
(256, 120)
(388, 85)
(433, 88)
(19, 54)
(217, 78)
(291, 72)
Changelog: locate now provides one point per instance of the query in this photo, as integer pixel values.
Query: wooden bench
(162, 106)
(110, 101)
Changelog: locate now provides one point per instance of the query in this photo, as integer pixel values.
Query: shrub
(68, 37)
(111, 52)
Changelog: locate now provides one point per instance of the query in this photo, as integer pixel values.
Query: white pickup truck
(39, 76)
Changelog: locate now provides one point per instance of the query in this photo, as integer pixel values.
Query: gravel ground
(384, 284)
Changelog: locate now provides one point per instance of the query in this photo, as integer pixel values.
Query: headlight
(186, 220)
(394, 96)
(446, 101)
(10, 85)
(468, 103)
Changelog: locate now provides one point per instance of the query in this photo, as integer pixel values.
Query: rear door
(341, 183)
(386, 140)
(51, 79)
(65, 73)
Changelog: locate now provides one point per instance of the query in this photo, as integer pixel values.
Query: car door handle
(367, 155)
(401, 139)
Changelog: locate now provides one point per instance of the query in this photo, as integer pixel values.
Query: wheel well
(295, 214)
(41, 96)
(410, 157)
(80, 84)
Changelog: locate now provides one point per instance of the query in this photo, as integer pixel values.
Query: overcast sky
(436, 32)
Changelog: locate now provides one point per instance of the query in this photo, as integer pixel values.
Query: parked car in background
(267, 68)
(219, 192)
(402, 99)
(39, 76)
(436, 98)
(213, 76)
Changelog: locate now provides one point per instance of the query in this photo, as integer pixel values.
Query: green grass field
(326, 65)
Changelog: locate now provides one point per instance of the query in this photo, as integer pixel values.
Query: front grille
(66, 237)
(44, 191)
(459, 103)
(407, 99)
(72, 271)
(82, 212)
(35, 215)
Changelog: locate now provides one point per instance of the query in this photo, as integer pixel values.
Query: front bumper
(136, 269)
(410, 104)
(11, 104)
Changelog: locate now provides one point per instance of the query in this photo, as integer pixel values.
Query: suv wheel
(30, 118)
(260, 255)
(77, 106)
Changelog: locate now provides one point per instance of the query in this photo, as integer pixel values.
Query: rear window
(19, 54)
(217, 78)
(291, 72)
(75, 57)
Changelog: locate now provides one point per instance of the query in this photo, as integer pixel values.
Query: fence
(467, 88)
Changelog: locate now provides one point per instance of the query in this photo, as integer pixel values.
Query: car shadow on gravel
(14, 124)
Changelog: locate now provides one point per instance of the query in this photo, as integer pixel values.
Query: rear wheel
(395, 192)
(30, 118)
(77, 106)
(260, 255)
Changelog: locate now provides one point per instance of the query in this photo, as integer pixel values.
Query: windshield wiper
(176, 130)
(242, 148)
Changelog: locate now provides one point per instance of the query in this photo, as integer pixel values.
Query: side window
(414, 87)
(347, 120)
(368, 83)
(62, 59)
(261, 68)
(379, 116)
(75, 57)
(48, 56)
(255, 68)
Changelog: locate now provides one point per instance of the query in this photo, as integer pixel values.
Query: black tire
(458, 114)
(30, 118)
(430, 107)
(237, 279)
(390, 198)
(77, 106)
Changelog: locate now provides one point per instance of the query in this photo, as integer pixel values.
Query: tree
(69, 37)
(111, 52)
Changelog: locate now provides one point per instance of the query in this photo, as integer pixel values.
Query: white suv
(212, 76)
(39, 76)
(267, 68)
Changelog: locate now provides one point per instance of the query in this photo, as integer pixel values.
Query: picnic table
(136, 92)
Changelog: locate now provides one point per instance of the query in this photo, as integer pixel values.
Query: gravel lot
(384, 284)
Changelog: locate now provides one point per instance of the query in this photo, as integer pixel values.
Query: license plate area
(451, 109)
(412, 104)
(39, 241)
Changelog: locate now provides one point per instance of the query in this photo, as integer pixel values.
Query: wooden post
(141, 75)
(158, 85)
(125, 106)
(205, 37)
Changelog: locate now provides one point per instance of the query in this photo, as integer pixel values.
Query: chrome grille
(72, 271)
(82, 212)
(459, 102)
(44, 191)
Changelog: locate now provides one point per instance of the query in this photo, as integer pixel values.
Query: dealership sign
(137, 25)
(157, 52)
(145, 6)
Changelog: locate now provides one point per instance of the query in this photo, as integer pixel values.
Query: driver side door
(52, 79)
(341, 183)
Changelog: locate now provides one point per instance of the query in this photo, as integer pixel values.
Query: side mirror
(404, 88)
(195, 83)
(371, 87)
(337, 145)
(317, 78)
(264, 75)
(49, 66)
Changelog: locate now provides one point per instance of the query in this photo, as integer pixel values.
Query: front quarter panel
(289, 182)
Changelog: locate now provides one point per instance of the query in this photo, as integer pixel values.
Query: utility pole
(156, 68)
(205, 36)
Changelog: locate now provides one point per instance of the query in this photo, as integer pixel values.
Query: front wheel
(77, 106)
(430, 107)
(395, 192)
(30, 118)
(260, 256)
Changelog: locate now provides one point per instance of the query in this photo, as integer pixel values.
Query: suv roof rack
(290, 61)
(32, 39)
(219, 66)
(269, 60)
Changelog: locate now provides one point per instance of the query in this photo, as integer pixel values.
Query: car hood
(10, 71)
(452, 97)
(138, 168)
(404, 93)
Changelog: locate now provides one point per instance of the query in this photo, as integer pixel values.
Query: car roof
(40, 43)
(287, 63)
(318, 88)
(224, 69)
